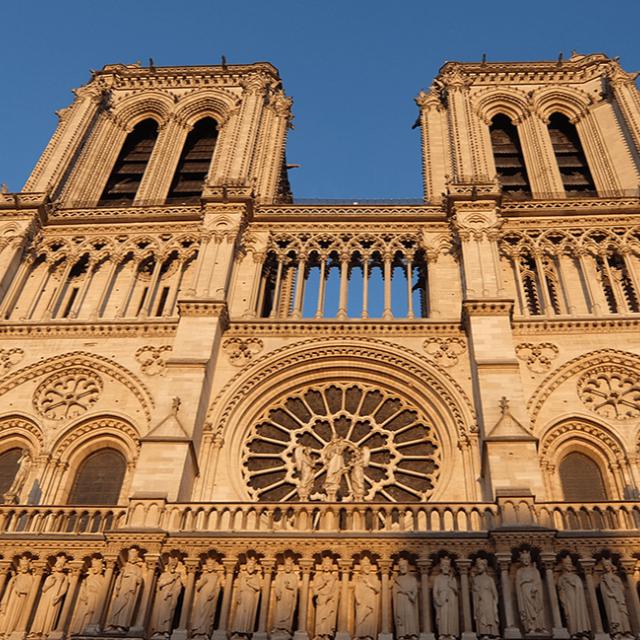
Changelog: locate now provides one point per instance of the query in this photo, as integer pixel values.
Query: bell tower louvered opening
(574, 170)
(508, 157)
(581, 479)
(194, 162)
(130, 166)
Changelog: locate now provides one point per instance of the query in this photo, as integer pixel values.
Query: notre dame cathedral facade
(225, 414)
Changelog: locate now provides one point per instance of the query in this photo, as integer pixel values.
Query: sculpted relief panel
(340, 442)
(67, 394)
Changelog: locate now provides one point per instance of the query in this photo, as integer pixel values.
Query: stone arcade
(225, 415)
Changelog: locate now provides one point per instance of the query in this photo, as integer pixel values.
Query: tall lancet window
(574, 170)
(130, 166)
(193, 166)
(508, 157)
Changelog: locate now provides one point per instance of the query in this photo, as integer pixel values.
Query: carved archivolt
(17, 428)
(345, 429)
(538, 356)
(86, 361)
(621, 361)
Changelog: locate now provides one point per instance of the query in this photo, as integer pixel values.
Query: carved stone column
(306, 564)
(268, 565)
(425, 600)
(181, 632)
(511, 630)
(596, 620)
(343, 608)
(146, 598)
(101, 615)
(386, 632)
(559, 631)
(630, 566)
(467, 629)
(58, 633)
(38, 575)
(221, 632)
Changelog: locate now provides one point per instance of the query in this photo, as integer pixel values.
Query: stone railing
(241, 517)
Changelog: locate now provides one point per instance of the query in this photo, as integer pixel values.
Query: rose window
(67, 394)
(611, 393)
(341, 442)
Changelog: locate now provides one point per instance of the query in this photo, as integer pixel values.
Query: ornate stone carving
(404, 591)
(9, 358)
(52, 596)
(611, 392)
(485, 600)
(445, 351)
(572, 598)
(24, 468)
(126, 592)
(325, 590)
(247, 590)
(445, 600)
(16, 595)
(285, 588)
(613, 595)
(366, 593)
(241, 350)
(89, 605)
(530, 594)
(67, 394)
(206, 598)
(152, 359)
(168, 590)
(538, 357)
(342, 442)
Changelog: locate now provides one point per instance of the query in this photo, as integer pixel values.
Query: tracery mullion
(126, 301)
(619, 300)
(387, 314)
(632, 273)
(300, 283)
(517, 268)
(84, 287)
(150, 294)
(344, 286)
(17, 285)
(276, 288)
(542, 281)
(182, 269)
(321, 288)
(98, 310)
(408, 262)
(38, 291)
(365, 287)
(586, 277)
(52, 308)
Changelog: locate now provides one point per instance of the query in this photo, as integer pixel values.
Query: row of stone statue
(322, 598)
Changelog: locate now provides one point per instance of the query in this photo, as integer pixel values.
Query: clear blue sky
(353, 67)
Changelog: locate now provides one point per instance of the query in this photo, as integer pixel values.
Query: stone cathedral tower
(227, 415)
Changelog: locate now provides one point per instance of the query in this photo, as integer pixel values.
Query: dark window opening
(99, 479)
(72, 299)
(163, 300)
(130, 166)
(581, 479)
(572, 163)
(8, 468)
(193, 166)
(508, 157)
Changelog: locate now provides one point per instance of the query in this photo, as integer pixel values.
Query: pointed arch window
(99, 479)
(509, 160)
(131, 164)
(9, 463)
(193, 166)
(581, 479)
(572, 163)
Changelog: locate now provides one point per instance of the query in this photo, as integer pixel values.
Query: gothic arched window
(574, 170)
(130, 166)
(8, 468)
(508, 157)
(581, 479)
(99, 479)
(193, 166)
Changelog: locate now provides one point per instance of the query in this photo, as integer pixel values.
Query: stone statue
(404, 592)
(360, 460)
(168, 589)
(306, 467)
(15, 596)
(572, 598)
(615, 603)
(206, 599)
(285, 588)
(485, 600)
(248, 587)
(445, 600)
(366, 591)
(54, 589)
(325, 589)
(333, 457)
(24, 467)
(530, 595)
(126, 592)
(88, 606)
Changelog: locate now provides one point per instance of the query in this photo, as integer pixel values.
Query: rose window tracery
(67, 394)
(341, 442)
(611, 392)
